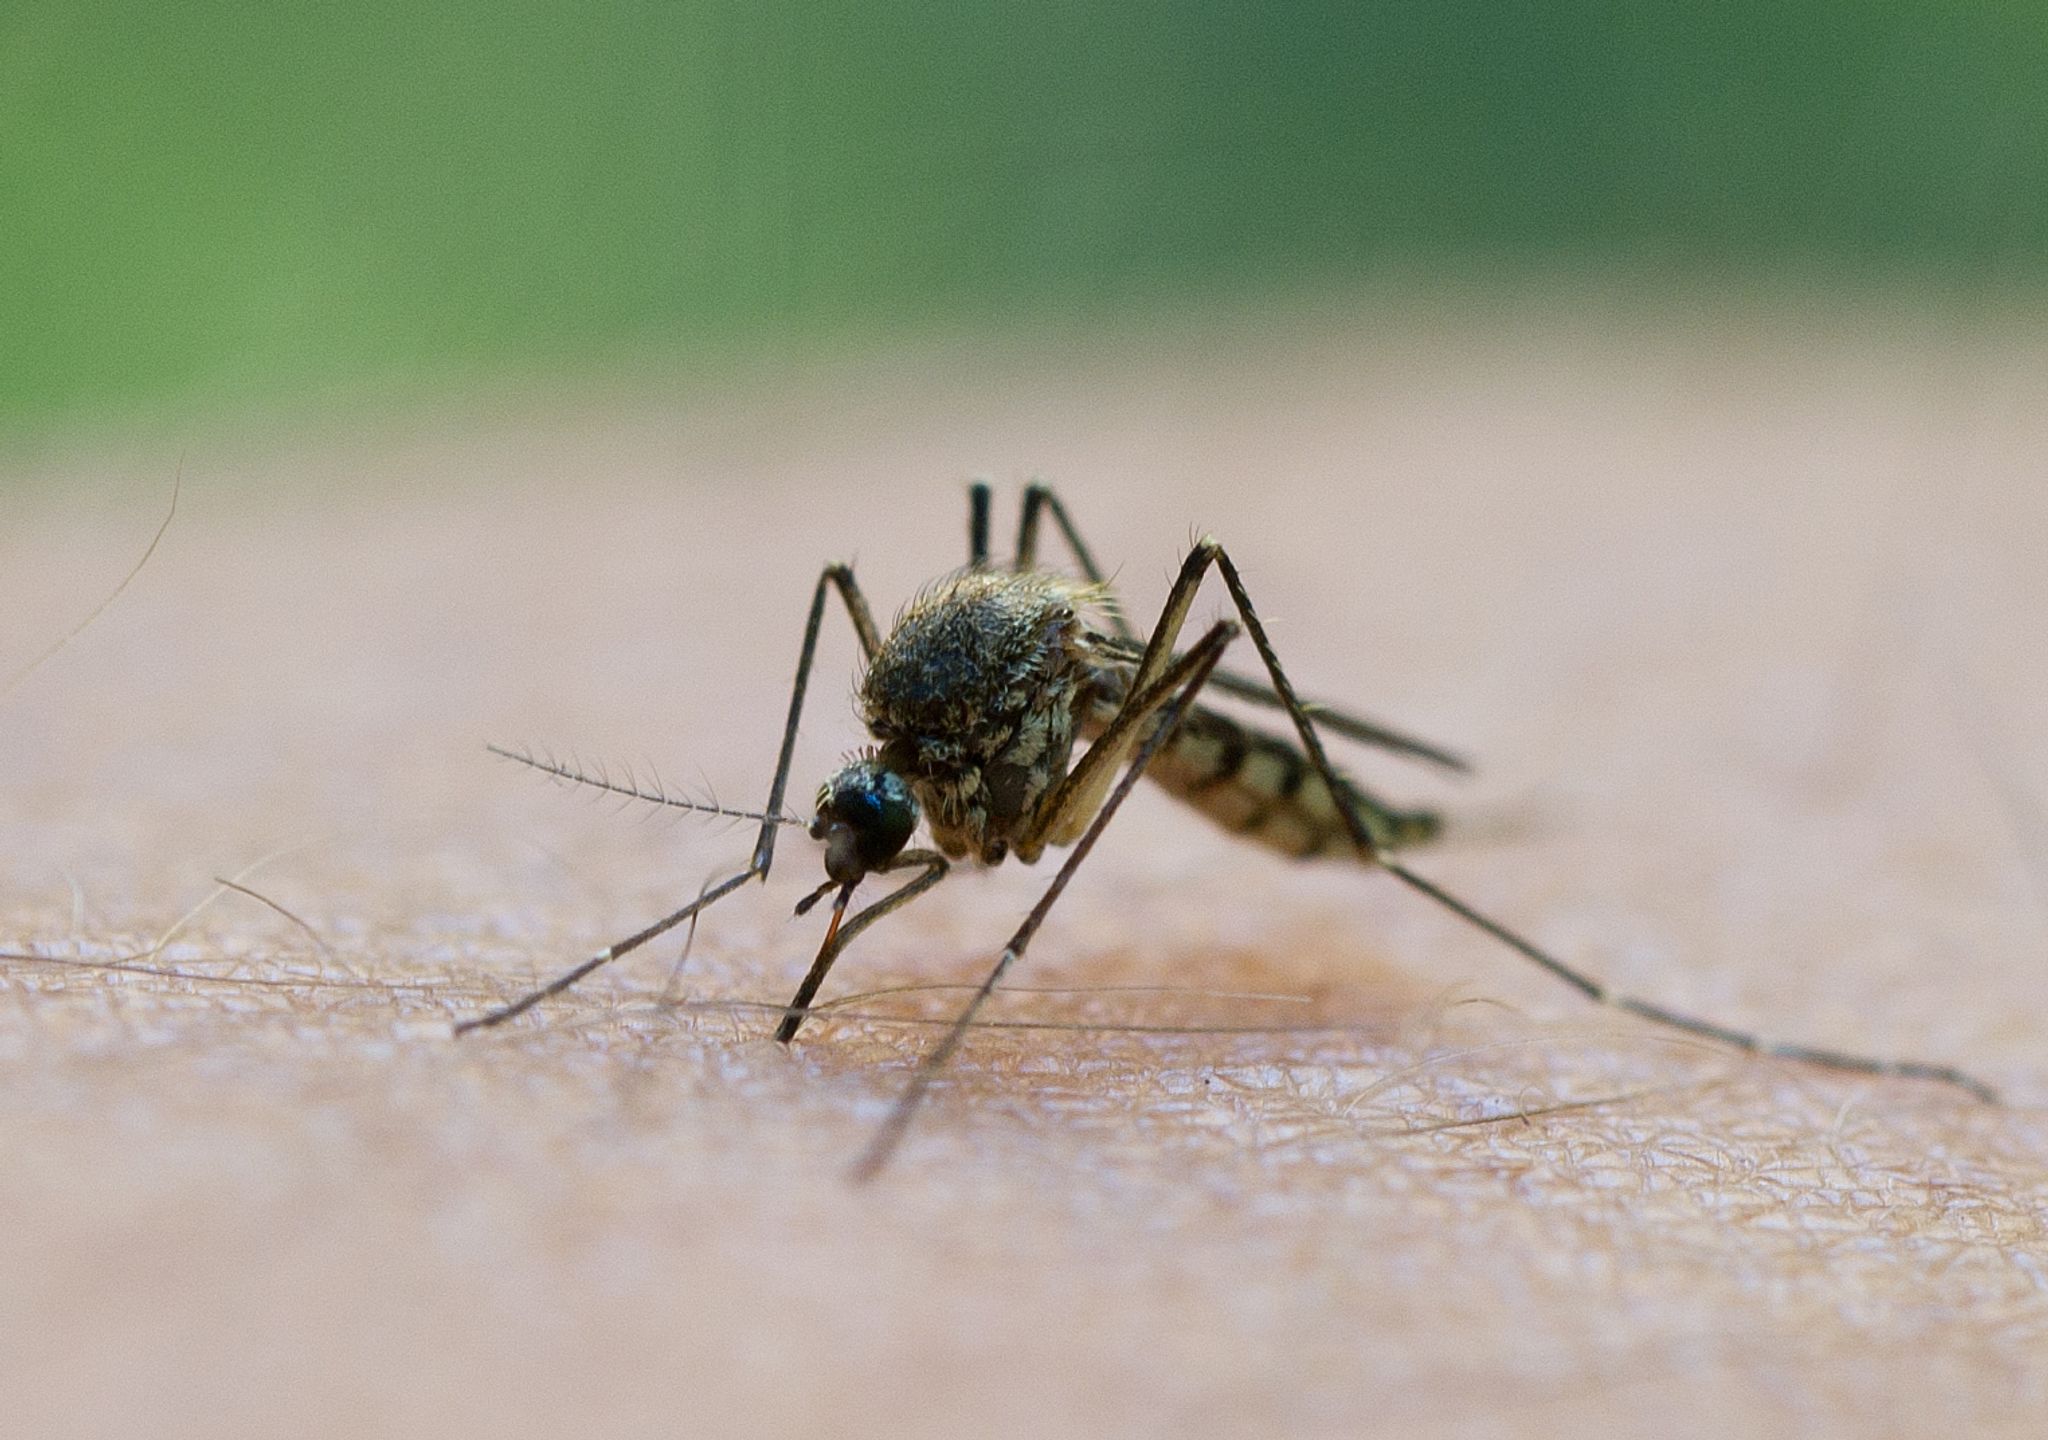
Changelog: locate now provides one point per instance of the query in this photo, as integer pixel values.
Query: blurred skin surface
(1740, 617)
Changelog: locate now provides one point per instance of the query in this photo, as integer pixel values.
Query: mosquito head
(865, 816)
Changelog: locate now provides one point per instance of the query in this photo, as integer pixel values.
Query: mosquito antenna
(631, 788)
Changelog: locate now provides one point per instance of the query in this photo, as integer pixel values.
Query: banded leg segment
(1040, 497)
(1156, 711)
(1313, 761)
(833, 577)
(1210, 552)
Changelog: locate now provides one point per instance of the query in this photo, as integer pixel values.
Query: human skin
(1740, 620)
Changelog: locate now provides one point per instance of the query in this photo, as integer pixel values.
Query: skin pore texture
(1739, 620)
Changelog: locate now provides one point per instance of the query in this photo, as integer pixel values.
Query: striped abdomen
(1264, 788)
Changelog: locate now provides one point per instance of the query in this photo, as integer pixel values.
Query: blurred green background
(212, 204)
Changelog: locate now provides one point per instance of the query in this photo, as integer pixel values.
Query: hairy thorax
(975, 698)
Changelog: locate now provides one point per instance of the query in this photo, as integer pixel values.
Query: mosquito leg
(1743, 1040)
(1169, 701)
(1040, 497)
(935, 867)
(1328, 717)
(977, 525)
(1210, 552)
(1065, 813)
(857, 611)
(605, 956)
(833, 577)
(1350, 726)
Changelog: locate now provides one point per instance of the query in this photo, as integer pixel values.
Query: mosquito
(976, 699)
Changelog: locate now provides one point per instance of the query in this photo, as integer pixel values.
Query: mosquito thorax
(975, 698)
(865, 817)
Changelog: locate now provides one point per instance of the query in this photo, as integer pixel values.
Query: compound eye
(882, 813)
(865, 817)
